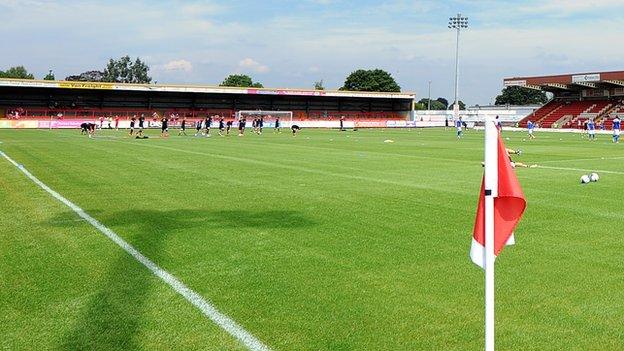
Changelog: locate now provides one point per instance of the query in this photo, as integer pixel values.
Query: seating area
(540, 114)
(25, 113)
(571, 114)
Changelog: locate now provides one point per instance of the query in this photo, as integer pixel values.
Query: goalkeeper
(513, 163)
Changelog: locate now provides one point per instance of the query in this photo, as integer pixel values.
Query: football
(594, 177)
(585, 179)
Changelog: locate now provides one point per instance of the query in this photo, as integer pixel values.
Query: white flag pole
(491, 192)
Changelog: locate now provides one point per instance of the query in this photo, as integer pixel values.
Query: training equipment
(284, 116)
(594, 177)
(585, 179)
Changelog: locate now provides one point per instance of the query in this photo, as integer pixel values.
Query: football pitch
(326, 241)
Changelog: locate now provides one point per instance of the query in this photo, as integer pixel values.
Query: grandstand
(32, 100)
(576, 98)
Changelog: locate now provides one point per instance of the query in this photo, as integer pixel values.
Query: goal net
(268, 116)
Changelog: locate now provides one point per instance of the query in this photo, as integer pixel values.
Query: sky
(292, 44)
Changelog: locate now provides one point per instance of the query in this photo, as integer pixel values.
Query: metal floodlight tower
(458, 23)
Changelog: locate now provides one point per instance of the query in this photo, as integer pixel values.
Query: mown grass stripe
(209, 310)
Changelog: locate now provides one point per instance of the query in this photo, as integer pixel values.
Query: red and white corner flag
(509, 205)
(501, 205)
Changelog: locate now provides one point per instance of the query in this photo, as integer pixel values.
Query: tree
(370, 80)
(443, 101)
(318, 85)
(435, 104)
(18, 72)
(462, 106)
(517, 95)
(89, 76)
(126, 71)
(240, 80)
(49, 76)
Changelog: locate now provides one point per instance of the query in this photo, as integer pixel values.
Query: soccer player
(221, 126)
(182, 127)
(207, 125)
(278, 128)
(530, 127)
(132, 122)
(91, 129)
(241, 126)
(83, 128)
(458, 126)
(260, 124)
(517, 164)
(229, 126)
(499, 126)
(164, 126)
(591, 129)
(616, 130)
(514, 164)
(342, 119)
(295, 128)
(254, 125)
(141, 124)
(198, 127)
(116, 122)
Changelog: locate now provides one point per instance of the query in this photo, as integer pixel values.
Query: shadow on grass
(112, 317)
(159, 221)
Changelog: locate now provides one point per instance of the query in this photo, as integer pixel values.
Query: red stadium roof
(575, 81)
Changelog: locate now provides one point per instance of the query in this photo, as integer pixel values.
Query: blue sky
(294, 43)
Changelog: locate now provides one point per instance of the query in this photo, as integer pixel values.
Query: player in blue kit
(531, 127)
(616, 130)
(591, 129)
(458, 126)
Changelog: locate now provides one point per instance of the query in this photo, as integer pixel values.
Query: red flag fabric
(509, 206)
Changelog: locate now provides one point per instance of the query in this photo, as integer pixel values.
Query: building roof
(574, 81)
(29, 83)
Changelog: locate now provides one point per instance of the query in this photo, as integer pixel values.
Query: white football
(585, 179)
(594, 177)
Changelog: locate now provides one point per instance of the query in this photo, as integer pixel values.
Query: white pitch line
(580, 169)
(207, 308)
(584, 159)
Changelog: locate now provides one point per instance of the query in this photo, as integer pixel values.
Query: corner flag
(509, 206)
(501, 205)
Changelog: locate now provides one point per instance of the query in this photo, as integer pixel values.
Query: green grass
(327, 241)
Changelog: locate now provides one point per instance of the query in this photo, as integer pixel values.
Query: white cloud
(178, 65)
(247, 64)
(562, 8)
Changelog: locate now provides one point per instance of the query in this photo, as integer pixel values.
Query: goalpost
(269, 116)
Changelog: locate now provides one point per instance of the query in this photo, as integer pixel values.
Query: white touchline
(580, 169)
(210, 311)
(584, 159)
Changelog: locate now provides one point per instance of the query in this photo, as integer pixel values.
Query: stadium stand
(576, 98)
(34, 113)
(49, 100)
